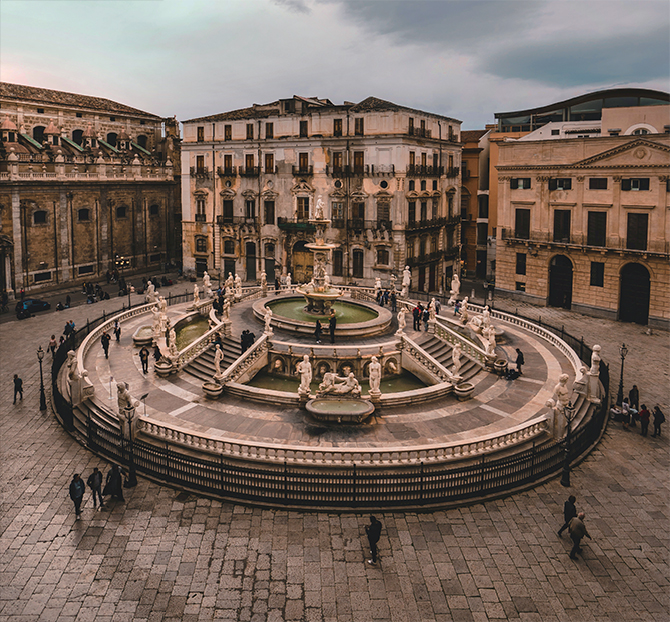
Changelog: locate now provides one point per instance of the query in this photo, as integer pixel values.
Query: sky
(465, 59)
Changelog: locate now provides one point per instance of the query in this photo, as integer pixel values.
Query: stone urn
(500, 367)
(464, 391)
(212, 390)
(163, 368)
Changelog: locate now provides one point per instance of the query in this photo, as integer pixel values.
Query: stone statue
(264, 283)
(225, 312)
(151, 292)
(238, 287)
(455, 289)
(123, 399)
(378, 286)
(456, 357)
(162, 306)
(207, 284)
(475, 323)
(268, 321)
(595, 361)
(402, 321)
(464, 311)
(318, 212)
(394, 278)
(375, 373)
(218, 358)
(561, 392)
(338, 385)
(581, 385)
(230, 281)
(196, 294)
(156, 324)
(304, 369)
(432, 310)
(173, 342)
(288, 281)
(406, 281)
(72, 371)
(230, 295)
(326, 283)
(490, 335)
(486, 316)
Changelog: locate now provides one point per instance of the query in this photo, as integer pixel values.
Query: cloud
(299, 6)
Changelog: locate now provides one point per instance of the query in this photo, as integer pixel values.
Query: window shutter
(553, 184)
(644, 184)
(625, 184)
(513, 183)
(567, 184)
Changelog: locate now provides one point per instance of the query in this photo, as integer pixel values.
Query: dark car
(25, 308)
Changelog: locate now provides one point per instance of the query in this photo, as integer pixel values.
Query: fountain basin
(143, 336)
(189, 328)
(340, 410)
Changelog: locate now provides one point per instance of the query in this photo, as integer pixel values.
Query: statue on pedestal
(151, 292)
(456, 358)
(464, 311)
(123, 398)
(218, 359)
(402, 321)
(406, 281)
(173, 342)
(268, 322)
(337, 385)
(230, 281)
(264, 283)
(207, 284)
(196, 294)
(432, 310)
(225, 312)
(238, 287)
(455, 289)
(486, 316)
(288, 281)
(375, 374)
(304, 370)
(595, 361)
(394, 278)
(318, 212)
(378, 286)
(490, 335)
(561, 394)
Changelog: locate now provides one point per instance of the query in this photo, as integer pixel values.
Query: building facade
(389, 176)
(583, 215)
(86, 185)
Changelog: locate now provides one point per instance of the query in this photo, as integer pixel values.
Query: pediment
(249, 194)
(338, 193)
(228, 193)
(638, 152)
(302, 187)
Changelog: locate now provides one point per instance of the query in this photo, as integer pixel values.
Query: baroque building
(389, 176)
(86, 185)
(583, 209)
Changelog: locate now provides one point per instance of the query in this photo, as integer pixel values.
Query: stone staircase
(441, 352)
(202, 367)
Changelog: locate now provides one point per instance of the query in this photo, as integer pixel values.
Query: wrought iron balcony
(424, 259)
(228, 171)
(431, 223)
(200, 173)
(249, 171)
(303, 171)
(201, 218)
(236, 220)
(425, 171)
(295, 224)
(453, 172)
(368, 170)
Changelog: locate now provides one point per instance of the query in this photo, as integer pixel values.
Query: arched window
(142, 141)
(39, 217)
(153, 210)
(641, 131)
(77, 136)
(411, 185)
(121, 211)
(38, 133)
(228, 247)
(111, 139)
(84, 214)
(201, 245)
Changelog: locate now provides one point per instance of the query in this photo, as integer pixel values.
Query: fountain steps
(441, 351)
(202, 367)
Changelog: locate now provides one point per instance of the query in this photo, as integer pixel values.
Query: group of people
(630, 412)
(113, 487)
(93, 293)
(574, 523)
(385, 297)
(247, 339)
(419, 314)
(332, 325)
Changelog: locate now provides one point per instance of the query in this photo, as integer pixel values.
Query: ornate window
(40, 217)
(84, 214)
(201, 245)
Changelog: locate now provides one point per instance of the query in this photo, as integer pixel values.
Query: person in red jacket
(644, 416)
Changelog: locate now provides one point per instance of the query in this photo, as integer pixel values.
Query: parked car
(25, 308)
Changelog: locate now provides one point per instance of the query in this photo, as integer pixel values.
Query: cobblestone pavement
(166, 555)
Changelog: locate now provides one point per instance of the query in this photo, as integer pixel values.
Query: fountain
(318, 293)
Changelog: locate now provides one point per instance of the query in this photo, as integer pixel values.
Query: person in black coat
(569, 512)
(519, 360)
(104, 340)
(114, 484)
(317, 331)
(332, 325)
(77, 490)
(95, 484)
(373, 531)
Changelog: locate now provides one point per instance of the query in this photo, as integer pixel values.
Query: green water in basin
(335, 406)
(405, 382)
(346, 312)
(145, 332)
(188, 332)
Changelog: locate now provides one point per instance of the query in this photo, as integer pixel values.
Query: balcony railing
(425, 258)
(368, 170)
(431, 223)
(304, 171)
(359, 224)
(201, 218)
(227, 171)
(425, 171)
(453, 172)
(236, 220)
(295, 224)
(249, 171)
(420, 131)
(200, 173)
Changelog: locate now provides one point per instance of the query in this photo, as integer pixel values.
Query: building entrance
(634, 294)
(303, 263)
(560, 282)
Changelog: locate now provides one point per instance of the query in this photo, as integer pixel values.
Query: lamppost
(623, 350)
(121, 263)
(569, 413)
(40, 358)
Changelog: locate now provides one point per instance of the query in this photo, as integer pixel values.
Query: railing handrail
(442, 372)
(468, 347)
(258, 345)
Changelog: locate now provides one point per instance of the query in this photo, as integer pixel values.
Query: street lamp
(123, 262)
(623, 350)
(569, 413)
(40, 358)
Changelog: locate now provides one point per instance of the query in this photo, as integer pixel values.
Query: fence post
(481, 479)
(532, 463)
(421, 487)
(354, 487)
(222, 485)
(563, 331)
(89, 431)
(167, 461)
(169, 298)
(285, 481)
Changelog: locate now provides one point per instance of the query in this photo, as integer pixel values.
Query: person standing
(317, 331)
(117, 330)
(425, 317)
(114, 483)
(577, 531)
(77, 490)
(94, 482)
(394, 302)
(644, 416)
(18, 387)
(144, 358)
(332, 325)
(157, 353)
(659, 418)
(104, 340)
(519, 360)
(569, 512)
(634, 397)
(373, 531)
(416, 315)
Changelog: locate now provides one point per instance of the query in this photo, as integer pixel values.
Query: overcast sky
(464, 59)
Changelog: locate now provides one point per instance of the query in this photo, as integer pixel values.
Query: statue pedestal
(375, 396)
(227, 330)
(431, 327)
(303, 397)
(593, 385)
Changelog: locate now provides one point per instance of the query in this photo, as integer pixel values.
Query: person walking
(18, 387)
(332, 325)
(416, 315)
(569, 512)
(644, 416)
(425, 316)
(373, 531)
(144, 358)
(659, 418)
(104, 340)
(577, 531)
(117, 330)
(317, 331)
(53, 344)
(77, 490)
(519, 360)
(94, 482)
(114, 483)
(157, 353)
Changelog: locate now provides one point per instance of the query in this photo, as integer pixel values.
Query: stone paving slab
(166, 555)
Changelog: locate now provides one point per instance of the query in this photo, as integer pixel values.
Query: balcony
(295, 224)
(249, 171)
(369, 170)
(421, 132)
(358, 224)
(425, 171)
(229, 171)
(425, 258)
(432, 223)
(200, 173)
(201, 218)
(236, 220)
(303, 171)
(453, 172)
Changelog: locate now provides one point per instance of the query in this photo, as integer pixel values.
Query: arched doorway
(251, 261)
(634, 294)
(560, 282)
(303, 263)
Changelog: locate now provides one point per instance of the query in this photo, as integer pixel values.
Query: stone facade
(583, 223)
(86, 184)
(389, 177)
